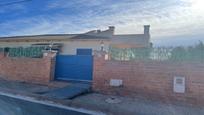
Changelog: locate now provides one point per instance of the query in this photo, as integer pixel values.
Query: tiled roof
(54, 36)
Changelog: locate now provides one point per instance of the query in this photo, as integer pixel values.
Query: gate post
(50, 57)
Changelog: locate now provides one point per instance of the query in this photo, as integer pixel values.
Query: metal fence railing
(33, 52)
(193, 53)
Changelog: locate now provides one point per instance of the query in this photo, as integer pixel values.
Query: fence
(151, 79)
(193, 53)
(34, 52)
(33, 70)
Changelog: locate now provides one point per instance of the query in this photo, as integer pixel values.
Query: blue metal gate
(74, 67)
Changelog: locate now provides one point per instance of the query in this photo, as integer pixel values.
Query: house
(68, 44)
(74, 60)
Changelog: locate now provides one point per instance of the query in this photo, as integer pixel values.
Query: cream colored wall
(71, 46)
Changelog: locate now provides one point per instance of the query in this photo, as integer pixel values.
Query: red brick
(150, 78)
(35, 70)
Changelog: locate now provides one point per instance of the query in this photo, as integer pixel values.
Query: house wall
(35, 70)
(151, 79)
(132, 40)
(71, 46)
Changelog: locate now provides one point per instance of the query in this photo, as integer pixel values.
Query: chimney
(98, 31)
(146, 29)
(112, 29)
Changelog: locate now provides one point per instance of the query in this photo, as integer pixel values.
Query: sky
(173, 22)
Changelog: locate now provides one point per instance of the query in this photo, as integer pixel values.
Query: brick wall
(35, 70)
(150, 78)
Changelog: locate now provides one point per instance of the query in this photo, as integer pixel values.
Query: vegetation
(1, 49)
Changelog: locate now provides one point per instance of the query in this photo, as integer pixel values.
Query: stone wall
(35, 70)
(152, 79)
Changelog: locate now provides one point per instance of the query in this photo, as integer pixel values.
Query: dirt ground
(112, 105)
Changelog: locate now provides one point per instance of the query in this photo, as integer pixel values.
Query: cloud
(14, 8)
(64, 4)
(167, 18)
